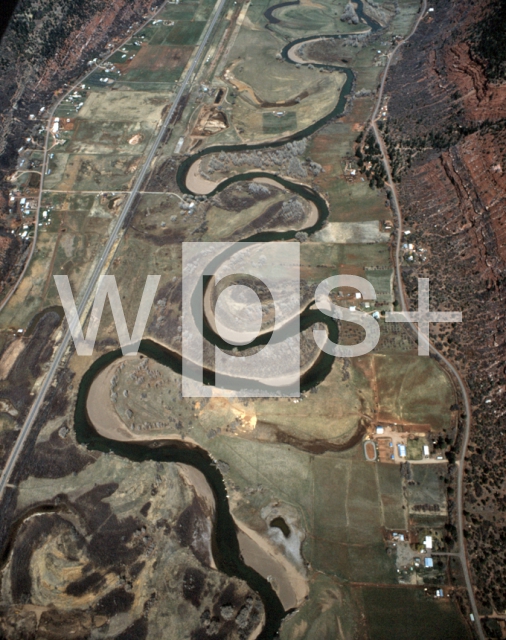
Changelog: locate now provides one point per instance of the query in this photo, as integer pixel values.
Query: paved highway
(88, 292)
(47, 140)
(34, 410)
(463, 391)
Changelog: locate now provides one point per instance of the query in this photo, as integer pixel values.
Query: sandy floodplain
(197, 183)
(103, 415)
(257, 551)
(290, 585)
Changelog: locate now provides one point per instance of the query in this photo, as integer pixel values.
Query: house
(380, 430)
(402, 450)
(426, 450)
(428, 542)
(429, 563)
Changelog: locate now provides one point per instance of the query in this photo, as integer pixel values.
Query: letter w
(106, 288)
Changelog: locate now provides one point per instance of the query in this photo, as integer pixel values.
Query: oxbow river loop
(225, 543)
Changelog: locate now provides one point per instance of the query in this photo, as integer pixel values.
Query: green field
(273, 124)
(321, 18)
(392, 496)
(415, 449)
(329, 612)
(413, 389)
(338, 497)
(428, 487)
(187, 10)
(381, 280)
(256, 51)
(348, 519)
(340, 256)
(406, 614)
(344, 505)
(185, 33)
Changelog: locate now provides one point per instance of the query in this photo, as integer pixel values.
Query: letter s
(322, 301)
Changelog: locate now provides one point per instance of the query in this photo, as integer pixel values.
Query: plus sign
(423, 317)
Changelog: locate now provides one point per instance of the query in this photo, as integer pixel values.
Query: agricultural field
(70, 238)
(403, 383)
(342, 527)
(391, 492)
(311, 515)
(103, 132)
(322, 18)
(409, 613)
(329, 611)
(255, 124)
(427, 487)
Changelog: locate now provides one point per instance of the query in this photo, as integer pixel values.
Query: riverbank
(257, 551)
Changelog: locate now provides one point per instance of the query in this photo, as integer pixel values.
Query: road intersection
(107, 255)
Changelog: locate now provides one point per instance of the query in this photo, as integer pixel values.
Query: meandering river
(226, 549)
